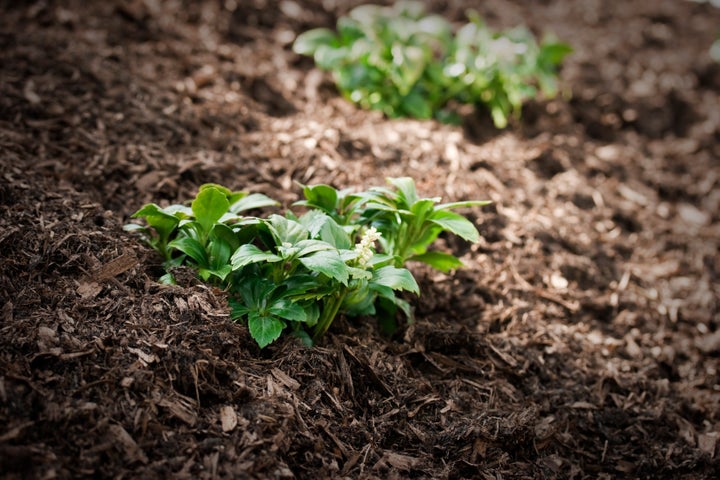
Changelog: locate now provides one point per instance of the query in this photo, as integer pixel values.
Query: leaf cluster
(300, 272)
(408, 64)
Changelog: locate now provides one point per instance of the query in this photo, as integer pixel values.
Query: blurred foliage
(408, 64)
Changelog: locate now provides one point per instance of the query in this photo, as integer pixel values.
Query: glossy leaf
(327, 262)
(286, 231)
(248, 254)
(209, 206)
(265, 329)
(288, 310)
(193, 249)
(252, 201)
(395, 278)
(320, 196)
(457, 224)
(439, 260)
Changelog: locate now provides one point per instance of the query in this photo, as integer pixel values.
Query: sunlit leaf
(327, 262)
(406, 189)
(457, 224)
(286, 231)
(466, 203)
(248, 254)
(251, 201)
(209, 205)
(439, 260)
(193, 249)
(308, 42)
(320, 196)
(395, 278)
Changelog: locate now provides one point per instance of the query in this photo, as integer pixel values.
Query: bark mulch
(581, 340)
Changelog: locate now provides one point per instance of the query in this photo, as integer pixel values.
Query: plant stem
(328, 314)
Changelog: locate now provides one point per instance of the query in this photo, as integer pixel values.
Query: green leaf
(264, 329)
(286, 231)
(427, 236)
(457, 224)
(435, 26)
(395, 278)
(153, 210)
(331, 58)
(162, 222)
(465, 203)
(313, 221)
(219, 254)
(221, 273)
(255, 292)
(422, 208)
(322, 226)
(439, 260)
(366, 14)
(409, 62)
(224, 190)
(135, 228)
(193, 249)
(248, 253)
(209, 205)
(237, 309)
(288, 310)
(305, 287)
(360, 300)
(307, 247)
(226, 234)
(416, 105)
(321, 196)
(327, 262)
(349, 31)
(406, 189)
(715, 49)
(304, 337)
(553, 52)
(249, 202)
(308, 42)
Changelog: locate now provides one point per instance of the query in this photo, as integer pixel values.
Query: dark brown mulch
(581, 340)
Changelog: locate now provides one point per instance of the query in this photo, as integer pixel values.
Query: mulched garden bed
(581, 340)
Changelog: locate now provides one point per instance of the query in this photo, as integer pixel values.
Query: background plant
(405, 63)
(715, 49)
(300, 272)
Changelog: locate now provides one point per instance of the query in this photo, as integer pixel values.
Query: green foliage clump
(300, 272)
(408, 64)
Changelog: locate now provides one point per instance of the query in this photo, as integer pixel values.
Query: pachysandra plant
(408, 64)
(408, 223)
(345, 255)
(202, 235)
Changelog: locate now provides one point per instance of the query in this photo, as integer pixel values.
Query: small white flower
(364, 247)
(506, 49)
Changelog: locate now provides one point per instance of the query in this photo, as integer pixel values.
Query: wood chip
(285, 379)
(397, 460)
(115, 267)
(123, 440)
(181, 410)
(88, 290)
(707, 442)
(146, 358)
(228, 418)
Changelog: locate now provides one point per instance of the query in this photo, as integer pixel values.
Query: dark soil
(582, 340)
